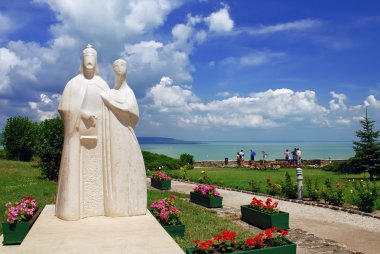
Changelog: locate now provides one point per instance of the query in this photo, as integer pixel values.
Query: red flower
(284, 232)
(228, 236)
(250, 242)
(217, 237)
(197, 241)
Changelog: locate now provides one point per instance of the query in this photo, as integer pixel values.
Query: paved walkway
(355, 233)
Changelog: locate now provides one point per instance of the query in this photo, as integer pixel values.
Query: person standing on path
(252, 155)
(241, 153)
(299, 160)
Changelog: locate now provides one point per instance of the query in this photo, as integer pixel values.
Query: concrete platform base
(97, 235)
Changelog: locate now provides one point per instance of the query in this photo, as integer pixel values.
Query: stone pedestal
(137, 234)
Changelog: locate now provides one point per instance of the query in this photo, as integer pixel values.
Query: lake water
(218, 150)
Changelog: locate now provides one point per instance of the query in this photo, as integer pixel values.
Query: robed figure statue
(102, 171)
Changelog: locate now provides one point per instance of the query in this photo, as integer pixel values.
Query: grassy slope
(239, 177)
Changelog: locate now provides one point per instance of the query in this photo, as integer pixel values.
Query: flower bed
(168, 215)
(264, 215)
(206, 195)
(269, 242)
(160, 181)
(19, 219)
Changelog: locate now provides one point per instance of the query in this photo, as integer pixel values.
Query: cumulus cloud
(220, 21)
(46, 107)
(8, 60)
(150, 60)
(168, 97)
(270, 108)
(338, 101)
(372, 101)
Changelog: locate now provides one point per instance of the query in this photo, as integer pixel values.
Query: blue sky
(203, 70)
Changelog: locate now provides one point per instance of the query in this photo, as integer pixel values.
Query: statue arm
(129, 106)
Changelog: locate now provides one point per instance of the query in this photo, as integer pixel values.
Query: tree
(367, 149)
(49, 147)
(19, 135)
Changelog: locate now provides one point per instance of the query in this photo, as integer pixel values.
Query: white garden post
(299, 183)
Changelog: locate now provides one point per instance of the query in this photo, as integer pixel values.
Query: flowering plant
(160, 176)
(207, 190)
(267, 207)
(20, 211)
(274, 189)
(164, 210)
(226, 242)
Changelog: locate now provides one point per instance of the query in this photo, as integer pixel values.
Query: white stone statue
(102, 170)
(125, 179)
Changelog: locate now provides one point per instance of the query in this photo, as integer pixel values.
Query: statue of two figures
(102, 170)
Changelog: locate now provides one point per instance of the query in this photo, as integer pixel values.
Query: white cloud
(220, 21)
(168, 97)
(254, 59)
(338, 101)
(226, 94)
(372, 101)
(46, 107)
(5, 24)
(150, 60)
(299, 25)
(8, 60)
(271, 108)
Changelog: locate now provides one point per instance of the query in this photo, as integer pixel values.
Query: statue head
(120, 67)
(89, 60)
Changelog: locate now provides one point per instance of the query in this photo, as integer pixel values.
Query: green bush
(333, 194)
(19, 135)
(289, 189)
(255, 186)
(274, 189)
(183, 172)
(313, 192)
(364, 195)
(49, 147)
(333, 167)
(185, 159)
(2, 154)
(154, 161)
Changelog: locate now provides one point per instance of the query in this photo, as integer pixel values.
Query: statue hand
(89, 118)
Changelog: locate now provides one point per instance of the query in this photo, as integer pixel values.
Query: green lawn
(20, 179)
(239, 178)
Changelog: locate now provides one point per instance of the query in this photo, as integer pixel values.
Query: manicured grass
(20, 179)
(239, 178)
(200, 223)
(23, 179)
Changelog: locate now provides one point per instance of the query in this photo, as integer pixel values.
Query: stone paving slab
(353, 232)
(96, 235)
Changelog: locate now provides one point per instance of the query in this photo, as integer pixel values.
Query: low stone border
(311, 203)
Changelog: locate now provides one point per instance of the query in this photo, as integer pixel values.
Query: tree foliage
(19, 136)
(187, 159)
(367, 150)
(49, 147)
(154, 161)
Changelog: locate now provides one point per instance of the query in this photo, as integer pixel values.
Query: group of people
(294, 157)
(240, 156)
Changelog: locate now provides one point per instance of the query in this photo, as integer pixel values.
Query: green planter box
(264, 220)
(207, 201)
(161, 185)
(175, 230)
(291, 248)
(16, 232)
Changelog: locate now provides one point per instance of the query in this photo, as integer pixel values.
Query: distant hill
(160, 140)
